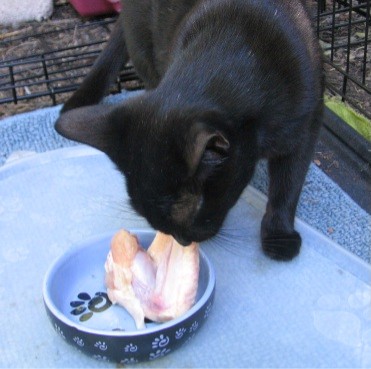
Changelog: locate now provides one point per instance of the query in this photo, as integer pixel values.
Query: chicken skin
(159, 284)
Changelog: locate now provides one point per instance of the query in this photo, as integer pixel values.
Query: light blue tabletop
(312, 312)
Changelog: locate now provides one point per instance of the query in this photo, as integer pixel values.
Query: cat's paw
(281, 246)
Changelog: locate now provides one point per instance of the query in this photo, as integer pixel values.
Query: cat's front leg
(279, 239)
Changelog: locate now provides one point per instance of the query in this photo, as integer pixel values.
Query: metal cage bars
(343, 26)
(54, 73)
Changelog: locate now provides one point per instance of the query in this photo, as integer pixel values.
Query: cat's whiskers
(120, 210)
(222, 240)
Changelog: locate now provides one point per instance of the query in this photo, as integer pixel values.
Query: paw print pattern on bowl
(97, 304)
(100, 358)
(158, 353)
(128, 361)
(208, 310)
(194, 327)
(131, 348)
(101, 345)
(160, 341)
(180, 333)
(59, 331)
(79, 341)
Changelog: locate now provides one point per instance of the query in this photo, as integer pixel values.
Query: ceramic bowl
(81, 313)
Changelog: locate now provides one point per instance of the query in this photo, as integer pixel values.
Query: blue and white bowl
(81, 313)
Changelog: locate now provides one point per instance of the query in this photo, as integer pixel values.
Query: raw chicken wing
(160, 284)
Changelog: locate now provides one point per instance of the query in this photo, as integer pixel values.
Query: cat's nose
(182, 240)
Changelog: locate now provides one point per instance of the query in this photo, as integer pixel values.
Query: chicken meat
(159, 284)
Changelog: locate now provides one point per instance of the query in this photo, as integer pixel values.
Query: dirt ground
(22, 44)
(66, 28)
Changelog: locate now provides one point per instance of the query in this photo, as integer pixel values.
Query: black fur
(228, 82)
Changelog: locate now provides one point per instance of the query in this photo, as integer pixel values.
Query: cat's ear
(92, 125)
(208, 149)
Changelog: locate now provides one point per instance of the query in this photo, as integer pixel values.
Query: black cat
(228, 82)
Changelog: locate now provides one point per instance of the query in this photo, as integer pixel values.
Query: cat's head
(178, 164)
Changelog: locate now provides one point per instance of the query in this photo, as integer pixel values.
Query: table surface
(312, 312)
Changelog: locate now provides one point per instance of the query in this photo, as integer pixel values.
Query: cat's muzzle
(181, 240)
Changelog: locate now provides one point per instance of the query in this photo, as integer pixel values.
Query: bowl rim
(73, 249)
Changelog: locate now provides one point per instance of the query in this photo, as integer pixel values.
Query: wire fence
(48, 65)
(42, 76)
(343, 28)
